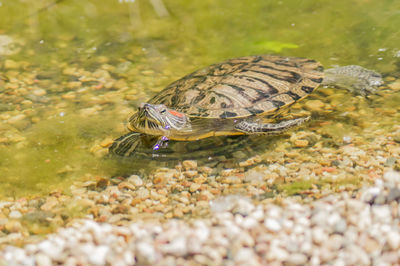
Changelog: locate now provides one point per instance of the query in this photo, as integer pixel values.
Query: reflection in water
(209, 151)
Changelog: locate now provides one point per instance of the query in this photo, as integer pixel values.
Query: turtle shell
(241, 87)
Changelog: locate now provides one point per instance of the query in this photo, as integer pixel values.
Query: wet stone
(14, 215)
(11, 64)
(314, 105)
(189, 165)
(396, 137)
(301, 143)
(390, 161)
(394, 194)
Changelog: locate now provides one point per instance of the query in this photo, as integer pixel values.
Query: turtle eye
(163, 111)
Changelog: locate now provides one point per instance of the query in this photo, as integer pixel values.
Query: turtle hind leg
(250, 127)
(356, 79)
(126, 144)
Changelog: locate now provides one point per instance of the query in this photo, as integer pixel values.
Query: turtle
(239, 96)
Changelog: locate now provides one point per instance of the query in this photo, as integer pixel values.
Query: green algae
(306, 187)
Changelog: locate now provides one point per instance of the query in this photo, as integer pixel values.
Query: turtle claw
(161, 143)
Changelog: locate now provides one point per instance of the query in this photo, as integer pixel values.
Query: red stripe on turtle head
(175, 113)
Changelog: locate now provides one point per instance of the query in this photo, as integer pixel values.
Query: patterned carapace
(241, 87)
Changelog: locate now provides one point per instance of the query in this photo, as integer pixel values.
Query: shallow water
(72, 72)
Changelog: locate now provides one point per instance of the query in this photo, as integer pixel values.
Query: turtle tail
(126, 144)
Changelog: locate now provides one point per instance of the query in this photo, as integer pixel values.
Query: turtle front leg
(126, 144)
(250, 127)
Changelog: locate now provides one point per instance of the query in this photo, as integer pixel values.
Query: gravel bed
(338, 229)
(219, 214)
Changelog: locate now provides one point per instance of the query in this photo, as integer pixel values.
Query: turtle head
(157, 119)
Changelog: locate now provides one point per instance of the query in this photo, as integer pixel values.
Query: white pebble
(393, 239)
(276, 253)
(42, 260)
(135, 180)
(176, 246)
(14, 215)
(272, 225)
(258, 214)
(147, 251)
(318, 235)
(249, 222)
(245, 256)
(98, 254)
(392, 177)
(51, 250)
(297, 259)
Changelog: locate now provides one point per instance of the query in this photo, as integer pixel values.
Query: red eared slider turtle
(236, 97)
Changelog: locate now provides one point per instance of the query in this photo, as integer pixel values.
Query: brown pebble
(250, 161)
(178, 213)
(189, 165)
(69, 95)
(159, 178)
(13, 226)
(16, 119)
(11, 64)
(301, 143)
(200, 180)
(102, 183)
(120, 209)
(136, 201)
(205, 195)
(231, 180)
(50, 204)
(168, 215)
(74, 84)
(314, 105)
(194, 187)
(395, 85)
(126, 185)
(190, 173)
(206, 170)
(106, 142)
(39, 92)
(228, 172)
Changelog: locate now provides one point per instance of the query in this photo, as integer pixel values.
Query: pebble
(392, 177)
(50, 204)
(272, 224)
(13, 226)
(135, 180)
(297, 259)
(39, 92)
(301, 143)
(396, 137)
(335, 228)
(394, 85)
(11, 64)
(194, 187)
(314, 105)
(143, 193)
(394, 194)
(266, 227)
(14, 215)
(16, 119)
(189, 165)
